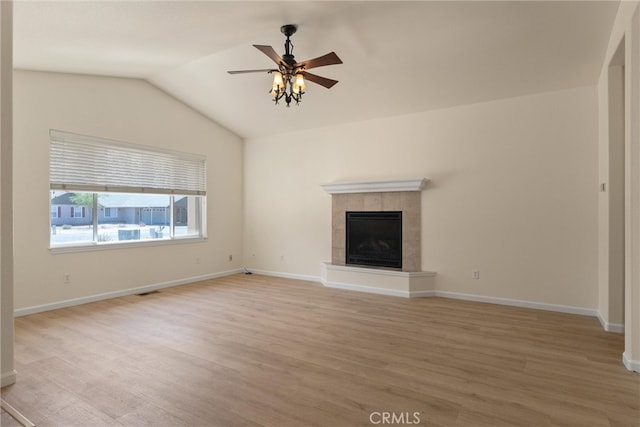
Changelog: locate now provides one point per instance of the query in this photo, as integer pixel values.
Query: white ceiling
(399, 57)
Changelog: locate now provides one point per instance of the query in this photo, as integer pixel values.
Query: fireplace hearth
(374, 239)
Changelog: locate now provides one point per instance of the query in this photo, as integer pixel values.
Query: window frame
(183, 176)
(73, 210)
(96, 244)
(111, 215)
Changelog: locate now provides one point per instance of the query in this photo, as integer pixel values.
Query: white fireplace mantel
(414, 184)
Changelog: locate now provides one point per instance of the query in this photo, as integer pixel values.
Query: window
(124, 193)
(77, 211)
(110, 212)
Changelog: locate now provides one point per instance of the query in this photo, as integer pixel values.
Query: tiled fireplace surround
(390, 195)
(405, 201)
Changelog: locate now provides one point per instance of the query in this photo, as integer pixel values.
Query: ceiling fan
(289, 77)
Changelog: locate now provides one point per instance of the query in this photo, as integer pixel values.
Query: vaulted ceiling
(399, 57)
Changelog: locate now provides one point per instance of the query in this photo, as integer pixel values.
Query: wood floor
(7, 420)
(251, 350)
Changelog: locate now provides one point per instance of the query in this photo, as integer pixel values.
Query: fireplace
(402, 195)
(374, 238)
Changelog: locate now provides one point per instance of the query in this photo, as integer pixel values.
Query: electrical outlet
(475, 274)
(230, 257)
(197, 260)
(281, 257)
(66, 278)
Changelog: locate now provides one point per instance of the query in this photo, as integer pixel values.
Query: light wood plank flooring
(251, 350)
(6, 420)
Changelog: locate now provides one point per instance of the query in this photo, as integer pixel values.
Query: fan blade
(321, 61)
(251, 71)
(268, 50)
(322, 81)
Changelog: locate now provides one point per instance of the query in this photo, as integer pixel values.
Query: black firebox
(374, 239)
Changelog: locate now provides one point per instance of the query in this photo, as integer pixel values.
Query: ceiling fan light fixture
(287, 86)
(278, 83)
(299, 86)
(289, 78)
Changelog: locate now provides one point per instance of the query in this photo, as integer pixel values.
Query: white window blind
(85, 163)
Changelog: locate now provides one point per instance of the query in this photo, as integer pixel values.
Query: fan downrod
(288, 30)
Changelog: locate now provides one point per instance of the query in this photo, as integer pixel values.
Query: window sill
(88, 247)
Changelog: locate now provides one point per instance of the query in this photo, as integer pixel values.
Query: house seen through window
(122, 217)
(83, 215)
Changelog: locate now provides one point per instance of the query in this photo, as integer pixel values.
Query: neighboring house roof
(63, 199)
(181, 202)
(120, 200)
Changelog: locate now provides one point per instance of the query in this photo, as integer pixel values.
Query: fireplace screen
(374, 238)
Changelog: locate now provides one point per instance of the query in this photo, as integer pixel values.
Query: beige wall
(127, 110)
(513, 193)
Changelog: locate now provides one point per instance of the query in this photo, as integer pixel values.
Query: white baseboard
(467, 297)
(420, 294)
(610, 327)
(285, 275)
(632, 365)
(8, 378)
(124, 292)
(519, 303)
(346, 286)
